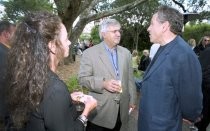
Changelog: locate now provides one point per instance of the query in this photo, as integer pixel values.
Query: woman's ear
(52, 47)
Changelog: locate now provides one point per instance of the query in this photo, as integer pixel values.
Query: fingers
(76, 96)
(187, 121)
(113, 86)
(90, 102)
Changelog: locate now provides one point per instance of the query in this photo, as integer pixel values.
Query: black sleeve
(59, 113)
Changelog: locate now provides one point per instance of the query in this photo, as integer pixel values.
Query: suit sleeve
(86, 76)
(132, 86)
(188, 82)
(60, 114)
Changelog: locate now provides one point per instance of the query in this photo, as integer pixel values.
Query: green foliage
(134, 23)
(128, 42)
(138, 74)
(187, 5)
(95, 35)
(196, 31)
(16, 9)
(84, 36)
(73, 83)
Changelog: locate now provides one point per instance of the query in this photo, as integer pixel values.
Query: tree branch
(97, 16)
(180, 5)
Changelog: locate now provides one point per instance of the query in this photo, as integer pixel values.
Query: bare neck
(167, 38)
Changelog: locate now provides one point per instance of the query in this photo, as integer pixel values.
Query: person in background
(6, 31)
(145, 60)
(205, 65)
(106, 69)
(192, 43)
(201, 45)
(135, 60)
(38, 100)
(153, 50)
(171, 85)
(91, 43)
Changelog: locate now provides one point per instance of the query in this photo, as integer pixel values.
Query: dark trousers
(203, 124)
(93, 127)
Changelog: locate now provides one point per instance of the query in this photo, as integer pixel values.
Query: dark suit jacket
(3, 68)
(56, 111)
(171, 89)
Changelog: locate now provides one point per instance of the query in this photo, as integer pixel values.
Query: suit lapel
(105, 60)
(159, 60)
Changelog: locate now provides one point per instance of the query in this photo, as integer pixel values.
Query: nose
(69, 43)
(118, 32)
(148, 29)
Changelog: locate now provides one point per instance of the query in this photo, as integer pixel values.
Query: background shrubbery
(73, 83)
(196, 31)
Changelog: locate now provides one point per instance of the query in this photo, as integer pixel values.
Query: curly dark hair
(29, 63)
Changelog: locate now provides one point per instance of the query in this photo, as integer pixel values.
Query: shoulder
(55, 86)
(181, 47)
(3, 49)
(94, 49)
(181, 52)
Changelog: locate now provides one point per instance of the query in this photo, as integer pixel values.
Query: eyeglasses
(206, 40)
(115, 31)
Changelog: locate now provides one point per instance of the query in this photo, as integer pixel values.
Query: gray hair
(173, 16)
(105, 24)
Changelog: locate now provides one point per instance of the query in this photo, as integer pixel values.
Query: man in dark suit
(106, 69)
(6, 31)
(171, 86)
(205, 65)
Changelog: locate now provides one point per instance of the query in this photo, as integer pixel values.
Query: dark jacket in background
(144, 62)
(205, 65)
(3, 67)
(204, 59)
(198, 49)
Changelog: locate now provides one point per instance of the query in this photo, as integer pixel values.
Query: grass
(73, 84)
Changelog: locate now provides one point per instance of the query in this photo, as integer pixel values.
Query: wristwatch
(83, 119)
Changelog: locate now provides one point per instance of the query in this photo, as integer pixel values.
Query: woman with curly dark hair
(38, 100)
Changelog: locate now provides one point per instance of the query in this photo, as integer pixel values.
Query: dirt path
(67, 71)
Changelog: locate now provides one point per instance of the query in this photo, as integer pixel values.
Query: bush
(73, 83)
(196, 31)
(138, 74)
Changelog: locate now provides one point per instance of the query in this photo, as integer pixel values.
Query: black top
(160, 49)
(205, 65)
(56, 111)
(198, 49)
(145, 60)
(3, 67)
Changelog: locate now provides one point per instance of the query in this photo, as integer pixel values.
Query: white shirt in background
(153, 50)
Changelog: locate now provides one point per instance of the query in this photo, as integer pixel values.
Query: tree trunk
(71, 9)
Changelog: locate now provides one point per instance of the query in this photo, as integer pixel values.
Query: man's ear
(166, 26)
(103, 34)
